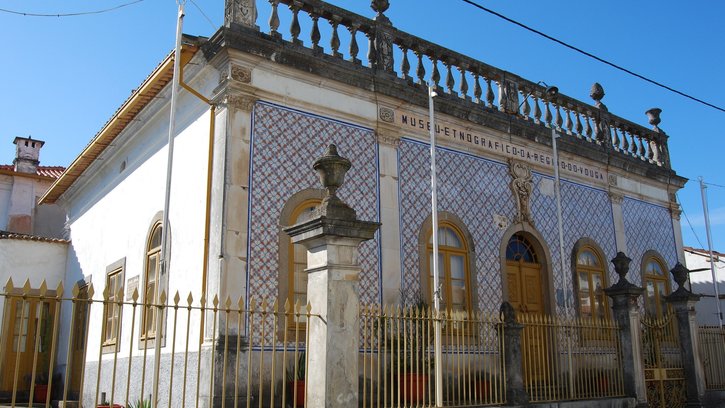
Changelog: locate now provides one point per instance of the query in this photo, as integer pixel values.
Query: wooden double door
(28, 326)
(526, 295)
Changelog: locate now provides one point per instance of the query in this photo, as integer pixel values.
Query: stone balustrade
(459, 77)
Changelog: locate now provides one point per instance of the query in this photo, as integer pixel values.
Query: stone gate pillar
(624, 296)
(332, 235)
(683, 304)
(512, 358)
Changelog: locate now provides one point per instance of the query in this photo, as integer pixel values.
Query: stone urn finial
(380, 7)
(621, 267)
(597, 93)
(653, 115)
(332, 168)
(679, 273)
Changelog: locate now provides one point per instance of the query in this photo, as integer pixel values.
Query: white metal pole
(167, 198)
(436, 277)
(715, 283)
(567, 280)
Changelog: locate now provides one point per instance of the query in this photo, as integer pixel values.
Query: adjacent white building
(698, 262)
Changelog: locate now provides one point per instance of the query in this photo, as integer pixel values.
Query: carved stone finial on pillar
(624, 296)
(515, 390)
(380, 53)
(380, 7)
(332, 168)
(243, 12)
(621, 267)
(597, 93)
(332, 236)
(680, 275)
(683, 303)
(653, 116)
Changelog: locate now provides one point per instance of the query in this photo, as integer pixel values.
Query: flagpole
(436, 276)
(715, 283)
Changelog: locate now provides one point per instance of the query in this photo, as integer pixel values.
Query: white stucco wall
(31, 260)
(702, 284)
(113, 206)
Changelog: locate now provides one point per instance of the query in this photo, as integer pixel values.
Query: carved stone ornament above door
(522, 187)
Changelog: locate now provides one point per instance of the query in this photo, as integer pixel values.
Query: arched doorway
(523, 276)
(525, 284)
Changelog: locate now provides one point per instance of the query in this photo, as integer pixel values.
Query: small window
(151, 283)
(112, 310)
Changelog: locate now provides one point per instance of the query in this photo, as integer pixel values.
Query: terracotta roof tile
(28, 237)
(44, 171)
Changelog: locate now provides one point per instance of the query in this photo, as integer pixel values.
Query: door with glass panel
(525, 294)
(26, 320)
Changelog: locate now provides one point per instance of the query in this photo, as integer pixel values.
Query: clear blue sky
(62, 78)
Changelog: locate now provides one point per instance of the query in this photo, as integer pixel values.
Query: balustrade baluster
(651, 150)
(335, 40)
(464, 83)
(295, 28)
(477, 91)
(420, 69)
(404, 64)
(625, 141)
(315, 34)
(354, 49)
(642, 152)
(537, 111)
(547, 114)
(274, 20)
(579, 126)
(569, 124)
(450, 83)
(633, 145)
(489, 93)
(526, 107)
(615, 141)
(435, 76)
(372, 53)
(559, 119)
(588, 128)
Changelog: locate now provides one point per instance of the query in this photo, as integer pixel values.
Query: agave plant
(140, 404)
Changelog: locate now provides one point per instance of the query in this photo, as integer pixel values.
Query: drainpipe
(167, 196)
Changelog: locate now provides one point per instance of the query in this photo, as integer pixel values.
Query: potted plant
(413, 364)
(105, 404)
(40, 390)
(296, 381)
(484, 384)
(139, 404)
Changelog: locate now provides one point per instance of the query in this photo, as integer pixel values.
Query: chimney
(27, 152)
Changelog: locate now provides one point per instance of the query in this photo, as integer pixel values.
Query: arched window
(297, 258)
(151, 281)
(454, 276)
(590, 279)
(656, 285)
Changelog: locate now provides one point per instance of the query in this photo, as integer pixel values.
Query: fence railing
(399, 364)
(566, 359)
(338, 34)
(712, 355)
(101, 352)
